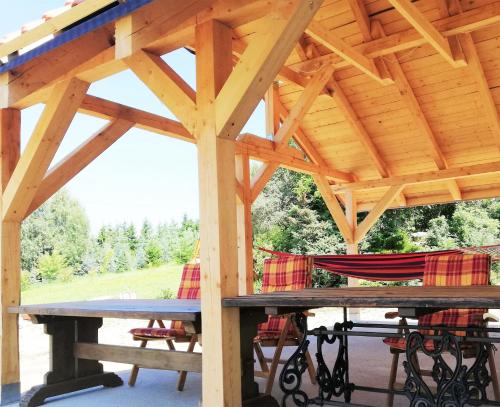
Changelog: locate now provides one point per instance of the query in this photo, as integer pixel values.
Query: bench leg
(67, 373)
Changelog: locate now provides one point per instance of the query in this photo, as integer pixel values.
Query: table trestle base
(456, 384)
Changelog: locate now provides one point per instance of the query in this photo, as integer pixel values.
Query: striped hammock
(385, 267)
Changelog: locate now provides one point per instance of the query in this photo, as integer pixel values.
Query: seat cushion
(400, 344)
(158, 333)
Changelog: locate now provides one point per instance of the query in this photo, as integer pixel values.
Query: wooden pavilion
(391, 103)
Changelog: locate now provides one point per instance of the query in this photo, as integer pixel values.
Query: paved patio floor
(369, 360)
(369, 366)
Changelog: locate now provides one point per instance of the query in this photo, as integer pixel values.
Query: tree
(59, 226)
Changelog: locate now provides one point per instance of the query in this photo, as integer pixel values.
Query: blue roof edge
(75, 32)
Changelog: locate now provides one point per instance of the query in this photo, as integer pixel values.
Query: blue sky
(142, 174)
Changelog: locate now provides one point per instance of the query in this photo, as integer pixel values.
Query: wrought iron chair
(448, 270)
(189, 289)
(282, 274)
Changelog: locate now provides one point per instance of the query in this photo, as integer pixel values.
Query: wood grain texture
(384, 297)
(183, 310)
(145, 358)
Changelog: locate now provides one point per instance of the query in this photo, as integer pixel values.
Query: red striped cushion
(283, 274)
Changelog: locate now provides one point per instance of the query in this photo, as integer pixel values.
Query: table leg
(68, 374)
(249, 319)
(457, 384)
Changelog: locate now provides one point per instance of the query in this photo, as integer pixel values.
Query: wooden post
(351, 213)
(10, 264)
(245, 233)
(219, 263)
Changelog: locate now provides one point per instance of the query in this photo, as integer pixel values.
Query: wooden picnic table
(75, 351)
(334, 382)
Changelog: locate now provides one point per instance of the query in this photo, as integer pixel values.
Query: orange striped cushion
(189, 289)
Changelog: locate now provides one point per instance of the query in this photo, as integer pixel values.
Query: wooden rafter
(42, 146)
(166, 84)
(96, 59)
(384, 203)
(475, 19)
(76, 161)
(423, 177)
(334, 207)
(108, 110)
(317, 31)
(441, 44)
(137, 30)
(419, 119)
(260, 63)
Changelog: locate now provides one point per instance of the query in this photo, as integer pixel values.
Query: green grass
(147, 283)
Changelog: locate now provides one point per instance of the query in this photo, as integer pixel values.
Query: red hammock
(384, 267)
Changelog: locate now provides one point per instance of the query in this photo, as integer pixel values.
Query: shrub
(25, 280)
(154, 255)
(50, 265)
(167, 294)
(66, 275)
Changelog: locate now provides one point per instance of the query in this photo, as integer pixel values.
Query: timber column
(351, 213)
(219, 252)
(10, 260)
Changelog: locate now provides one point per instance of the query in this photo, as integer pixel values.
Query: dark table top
(383, 297)
(183, 310)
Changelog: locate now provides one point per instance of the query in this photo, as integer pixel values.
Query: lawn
(147, 283)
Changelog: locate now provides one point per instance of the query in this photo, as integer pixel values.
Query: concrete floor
(369, 360)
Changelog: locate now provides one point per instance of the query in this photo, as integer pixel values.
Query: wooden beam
(53, 26)
(418, 115)
(261, 178)
(166, 84)
(147, 358)
(358, 128)
(260, 63)
(292, 122)
(76, 161)
(420, 178)
(476, 68)
(317, 31)
(108, 110)
(413, 15)
(265, 150)
(152, 22)
(334, 207)
(471, 20)
(245, 233)
(219, 254)
(10, 264)
(265, 172)
(364, 227)
(42, 146)
(49, 68)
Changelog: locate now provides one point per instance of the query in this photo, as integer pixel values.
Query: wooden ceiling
(377, 93)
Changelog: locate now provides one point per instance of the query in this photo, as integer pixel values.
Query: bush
(50, 265)
(167, 294)
(154, 255)
(25, 280)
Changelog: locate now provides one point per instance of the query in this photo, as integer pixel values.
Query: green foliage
(153, 254)
(166, 294)
(25, 280)
(59, 226)
(50, 266)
